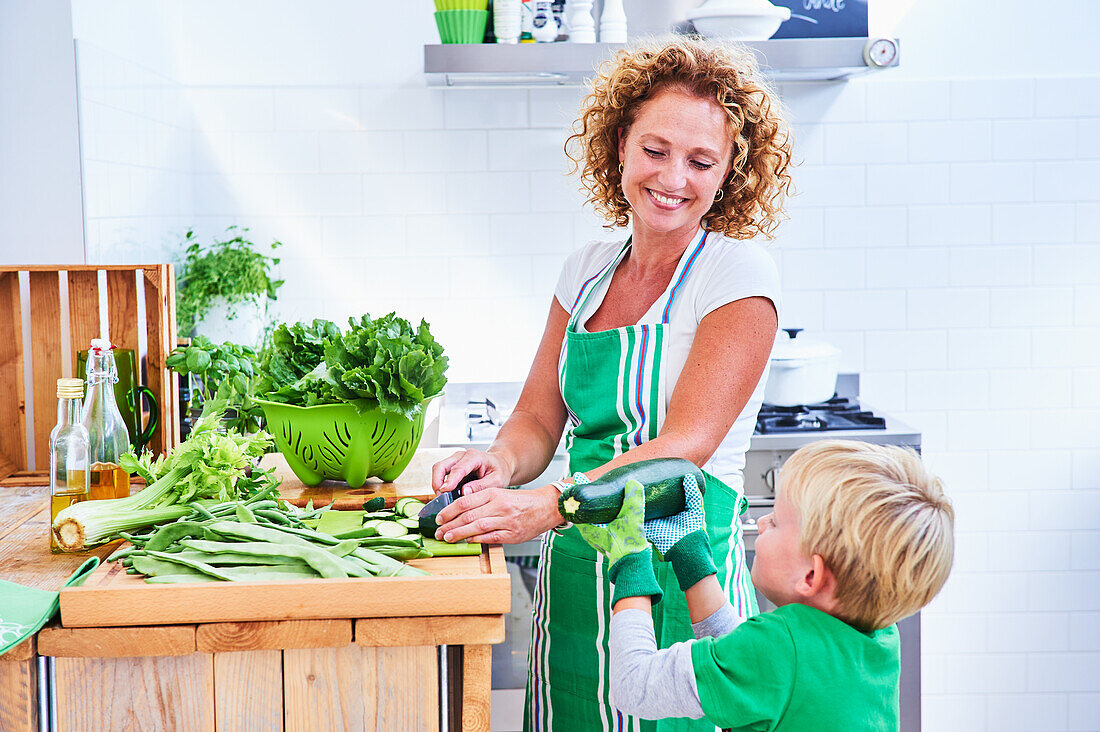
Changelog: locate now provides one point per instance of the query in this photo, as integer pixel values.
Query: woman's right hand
(491, 470)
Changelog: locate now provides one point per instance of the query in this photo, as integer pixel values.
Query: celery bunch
(206, 466)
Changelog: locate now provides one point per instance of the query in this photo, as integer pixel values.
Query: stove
(839, 413)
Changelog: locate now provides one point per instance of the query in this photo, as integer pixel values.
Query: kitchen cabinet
(387, 666)
(549, 64)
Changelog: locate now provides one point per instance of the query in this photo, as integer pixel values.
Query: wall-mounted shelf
(549, 64)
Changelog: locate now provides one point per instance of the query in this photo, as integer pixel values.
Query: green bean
(153, 566)
(327, 565)
(221, 559)
(343, 548)
(121, 552)
(404, 553)
(256, 532)
(264, 494)
(134, 539)
(244, 514)
(274, 516)
(193, 564)
(171, 533)
(363, 533)
(202, 510)
(393, 541)
(385, 566)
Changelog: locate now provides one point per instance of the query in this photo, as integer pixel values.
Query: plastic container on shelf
(506, 20)
(461, 26)
(545, 28)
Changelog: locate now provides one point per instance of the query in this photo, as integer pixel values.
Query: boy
(861, 537)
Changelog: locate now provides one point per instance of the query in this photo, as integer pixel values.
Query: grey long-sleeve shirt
(651, 683)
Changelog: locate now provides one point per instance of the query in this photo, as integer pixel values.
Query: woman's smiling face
(675, 156)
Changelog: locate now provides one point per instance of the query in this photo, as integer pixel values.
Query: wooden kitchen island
(358, 654)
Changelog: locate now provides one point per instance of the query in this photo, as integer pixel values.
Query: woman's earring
(620, 168)
(719, 195)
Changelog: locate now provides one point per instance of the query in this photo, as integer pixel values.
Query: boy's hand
(682, 539)
(624, 543)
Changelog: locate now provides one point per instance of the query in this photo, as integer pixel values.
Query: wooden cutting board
(414, 482)
(477, 585)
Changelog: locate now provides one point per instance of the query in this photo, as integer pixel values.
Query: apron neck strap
(678, 278)
(590, 284)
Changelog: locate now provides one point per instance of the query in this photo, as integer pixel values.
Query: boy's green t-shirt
(797, 668)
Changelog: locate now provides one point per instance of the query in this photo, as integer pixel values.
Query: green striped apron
(612, 387)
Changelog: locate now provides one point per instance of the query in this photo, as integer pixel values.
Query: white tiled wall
(135, 137)
(946, 236)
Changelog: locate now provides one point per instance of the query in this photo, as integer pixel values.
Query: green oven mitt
(23, 610)
(623, 542)
(682, 539)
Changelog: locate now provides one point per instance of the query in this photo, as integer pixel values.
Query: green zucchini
(599, 502)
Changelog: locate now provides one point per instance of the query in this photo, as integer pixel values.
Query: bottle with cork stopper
(107, 433)
(69, 479)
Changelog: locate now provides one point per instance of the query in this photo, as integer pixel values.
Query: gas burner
(838, 413)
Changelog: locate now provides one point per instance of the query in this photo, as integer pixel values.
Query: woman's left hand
(500, 515)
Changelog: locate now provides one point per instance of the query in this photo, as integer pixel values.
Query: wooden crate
(470, 585)
(39, 291)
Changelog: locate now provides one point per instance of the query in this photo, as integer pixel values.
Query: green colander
(336, 442)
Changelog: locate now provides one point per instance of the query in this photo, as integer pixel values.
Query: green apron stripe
(639, 388)
(626, 364)
(534, 711)
(603, 652)
(656, 404)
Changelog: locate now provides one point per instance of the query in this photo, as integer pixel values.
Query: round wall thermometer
(880, 52)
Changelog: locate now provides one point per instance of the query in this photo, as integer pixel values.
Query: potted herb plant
(224, 372)
(222, 289)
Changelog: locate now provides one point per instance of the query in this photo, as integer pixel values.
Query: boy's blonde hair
(880, 522)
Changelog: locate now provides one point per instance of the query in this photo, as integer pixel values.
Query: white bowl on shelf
(738, 20)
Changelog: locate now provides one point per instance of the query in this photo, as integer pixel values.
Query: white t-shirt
(725, 270)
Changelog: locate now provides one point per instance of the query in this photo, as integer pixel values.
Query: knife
(432, 508)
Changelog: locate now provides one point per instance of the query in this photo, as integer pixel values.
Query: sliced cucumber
(375, 504)
(387, 514)
(409, 507)
(391, 529)
(411, 524)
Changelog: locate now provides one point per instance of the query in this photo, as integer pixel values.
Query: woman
(654, 347)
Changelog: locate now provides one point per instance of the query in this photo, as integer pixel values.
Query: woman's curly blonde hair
(752, 200)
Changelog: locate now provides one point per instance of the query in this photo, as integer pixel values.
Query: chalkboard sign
(823, 19)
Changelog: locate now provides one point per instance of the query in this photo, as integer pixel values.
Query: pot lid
(789, 346)
(713, 8)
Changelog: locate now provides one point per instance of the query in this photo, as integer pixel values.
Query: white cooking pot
(803, 370)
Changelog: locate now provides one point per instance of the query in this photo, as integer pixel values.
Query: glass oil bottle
(68, 452)
(107, 433)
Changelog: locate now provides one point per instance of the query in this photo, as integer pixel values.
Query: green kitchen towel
(23, 610)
